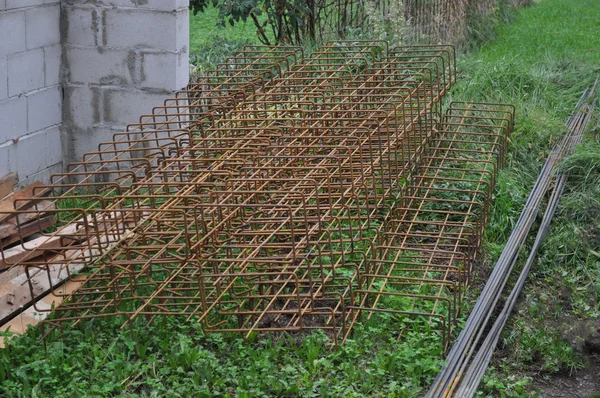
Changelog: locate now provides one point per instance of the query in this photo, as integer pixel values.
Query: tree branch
(260, 30)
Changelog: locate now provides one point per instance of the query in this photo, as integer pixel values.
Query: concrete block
(42, 175)
(52, 143)
(88, 140)
(52, 60)
(43, 26)
(13, 118)
(12, 32)
(109, 3)
(183, 30)
(10, 4)
(127, 28)
(27, 156)
(169, 71)
(44, 108)
(82, 26)
(161, 5)
(3, 77)
(66, 138)
(83, 106)
(25, 71)
(4, 162)
(36, 156)
(122, 107)
(100, 66)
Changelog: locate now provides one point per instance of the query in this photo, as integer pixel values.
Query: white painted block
(138, 44)
(3, 77)
(25, 71)
(53, 61)
(4, 164)
(117, 3)
(43, 175)
(10, 4)
(36, 156)
(13, 118)
(100, 66)
(183, 30)
(12, 32)
(44, 108)
(163, 5)
(52, 145)
(28, 155)
(43, 26)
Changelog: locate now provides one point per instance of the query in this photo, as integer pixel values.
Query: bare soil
(584, 383)
(584, 337)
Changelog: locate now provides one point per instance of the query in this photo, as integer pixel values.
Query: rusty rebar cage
(282, 192)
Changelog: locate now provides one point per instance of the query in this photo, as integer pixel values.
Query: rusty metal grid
(284, 193)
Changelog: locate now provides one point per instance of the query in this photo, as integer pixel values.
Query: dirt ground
(584, 383)
(584, 337)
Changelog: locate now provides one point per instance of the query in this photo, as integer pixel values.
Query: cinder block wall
(120, 59)
(30, 92)
(73, 72)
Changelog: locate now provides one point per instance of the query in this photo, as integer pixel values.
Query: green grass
(211, 44)
(176, 359)
(204, 30)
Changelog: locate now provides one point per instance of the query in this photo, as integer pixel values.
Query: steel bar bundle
(281, 193)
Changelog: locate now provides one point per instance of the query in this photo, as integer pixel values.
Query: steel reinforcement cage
(282, 192)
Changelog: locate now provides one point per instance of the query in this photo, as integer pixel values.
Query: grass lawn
(541, 63)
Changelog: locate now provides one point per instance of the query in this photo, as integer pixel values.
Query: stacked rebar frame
(283, 192)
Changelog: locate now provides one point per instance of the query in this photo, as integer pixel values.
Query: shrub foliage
(291, 21)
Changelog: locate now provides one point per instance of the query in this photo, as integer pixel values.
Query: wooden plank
(7, 230)
(10, 226)
(15, 293)
(35, 314)
(28, 229)
(62, 238)
(8, 183)
(36, 247)
(11, 273)
(38, 209)
(7, 204)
